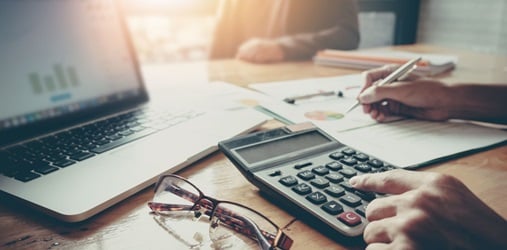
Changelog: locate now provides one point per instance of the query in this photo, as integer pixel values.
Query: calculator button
(306, 175)
(348, 151)
(363, 167)
(361, 157)
(367, 196)
(302, 165)
(347, 186)
(375, 163)
(349, 161)
(276, 173)
(320, 170)
(335, 191)
(347, 172)
(334, 166)
(388, 167)
(350, 218)
(302, 189)
(382, 169)
(320, 182)
(334, 177)
(288, 181)
(351, 200)
(317, 198)
(336, 155)
(362, 210)
(332, 207)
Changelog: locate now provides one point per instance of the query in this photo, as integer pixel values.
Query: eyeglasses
(176, 199)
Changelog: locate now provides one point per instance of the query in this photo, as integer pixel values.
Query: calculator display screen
(275, 148)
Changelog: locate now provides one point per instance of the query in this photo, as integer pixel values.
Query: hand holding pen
(412, 96)
(402, 71)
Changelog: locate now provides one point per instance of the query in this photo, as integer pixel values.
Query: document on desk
(402, 142)
(415, 143)
(322, 110)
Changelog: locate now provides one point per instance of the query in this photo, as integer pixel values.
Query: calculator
(306, 171)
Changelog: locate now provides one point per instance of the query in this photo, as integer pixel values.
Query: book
(430, 65)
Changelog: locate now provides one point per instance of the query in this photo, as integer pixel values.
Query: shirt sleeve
(343, 35)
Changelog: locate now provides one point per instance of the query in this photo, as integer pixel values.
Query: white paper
(321, 110)
(403, 143)
(409, 143)
(189, 86)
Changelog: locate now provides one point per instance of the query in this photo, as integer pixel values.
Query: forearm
(304, 46)
(486, 231)
(480, 102)
(339, 30)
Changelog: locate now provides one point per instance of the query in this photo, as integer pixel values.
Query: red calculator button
(350, 218)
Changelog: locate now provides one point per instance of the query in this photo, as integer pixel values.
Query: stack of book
(430, 65)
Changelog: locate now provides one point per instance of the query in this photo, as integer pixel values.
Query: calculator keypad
(321, 185)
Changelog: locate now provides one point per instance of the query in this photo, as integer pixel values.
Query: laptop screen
(62, 57)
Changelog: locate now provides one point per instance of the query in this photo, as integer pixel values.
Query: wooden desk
(128, 224)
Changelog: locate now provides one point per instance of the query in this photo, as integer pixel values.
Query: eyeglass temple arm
(281, 239)
(157, 206)
(248, 227)
(239, 223)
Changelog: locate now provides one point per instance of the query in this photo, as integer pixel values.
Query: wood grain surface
(129, 225)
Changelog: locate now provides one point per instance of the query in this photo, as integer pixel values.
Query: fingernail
(353, 181)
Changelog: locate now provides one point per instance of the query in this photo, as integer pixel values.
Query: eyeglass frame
(267, 239)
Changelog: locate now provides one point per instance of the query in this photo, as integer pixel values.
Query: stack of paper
(431, 64)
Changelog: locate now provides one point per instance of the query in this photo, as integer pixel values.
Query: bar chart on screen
(57, 84)
(62, 78)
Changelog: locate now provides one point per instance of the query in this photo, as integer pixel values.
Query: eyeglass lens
(230, 225)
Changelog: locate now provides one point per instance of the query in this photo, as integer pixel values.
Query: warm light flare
(160, 3)
(170, 30)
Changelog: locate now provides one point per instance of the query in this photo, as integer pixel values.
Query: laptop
(77, 130)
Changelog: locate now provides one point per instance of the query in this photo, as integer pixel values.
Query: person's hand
(413, 97)
(260, 51)
(428, 211)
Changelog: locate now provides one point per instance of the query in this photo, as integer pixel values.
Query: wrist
(457, 101)
(477, 102)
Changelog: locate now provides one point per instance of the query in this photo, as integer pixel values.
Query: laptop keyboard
(33, 159)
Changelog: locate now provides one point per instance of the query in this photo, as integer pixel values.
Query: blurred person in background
(266, 31)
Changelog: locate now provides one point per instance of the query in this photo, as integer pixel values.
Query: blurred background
(171, 30)
(181, 30)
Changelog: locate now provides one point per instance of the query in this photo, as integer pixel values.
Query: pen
(292, 100)
(397, 74)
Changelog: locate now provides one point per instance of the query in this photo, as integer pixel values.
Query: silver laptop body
(77, 132)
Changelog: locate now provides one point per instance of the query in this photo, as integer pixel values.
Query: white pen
(401, 71)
